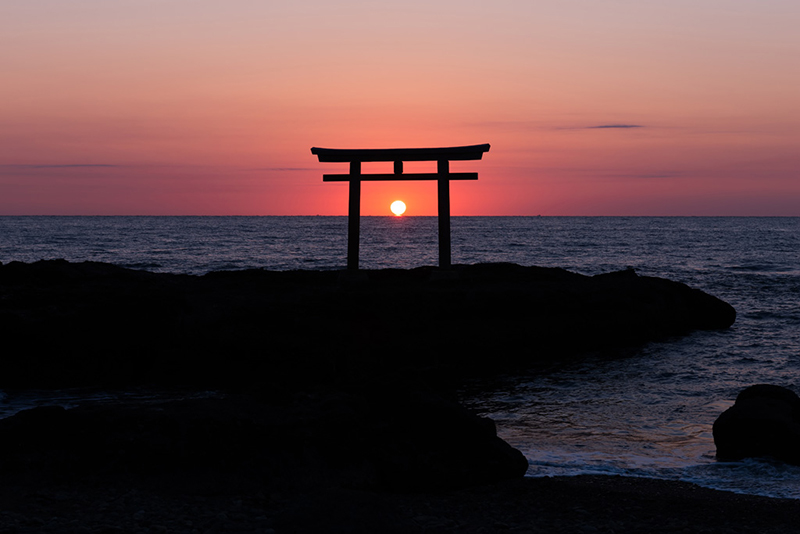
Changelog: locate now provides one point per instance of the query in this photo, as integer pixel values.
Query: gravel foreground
(578, 504)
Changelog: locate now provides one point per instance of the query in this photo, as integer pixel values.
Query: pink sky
(210, 108)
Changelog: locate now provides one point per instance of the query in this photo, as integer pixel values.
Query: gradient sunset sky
(192, 107)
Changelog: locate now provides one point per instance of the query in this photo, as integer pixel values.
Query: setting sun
(398, 207)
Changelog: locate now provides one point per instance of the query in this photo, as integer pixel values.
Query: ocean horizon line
(432, 216)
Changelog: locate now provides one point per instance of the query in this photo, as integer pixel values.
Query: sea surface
(648, 413)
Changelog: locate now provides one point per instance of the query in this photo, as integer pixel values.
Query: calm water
(646, 414)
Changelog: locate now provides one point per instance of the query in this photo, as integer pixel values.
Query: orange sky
(592, 108)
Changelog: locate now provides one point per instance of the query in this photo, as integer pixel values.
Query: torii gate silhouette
(443, 157)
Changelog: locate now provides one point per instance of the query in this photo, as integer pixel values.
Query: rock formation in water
(763, 422)
(98, 324)
(369, 439)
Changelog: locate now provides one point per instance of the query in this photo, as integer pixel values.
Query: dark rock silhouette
(763, 422)
(98, 324)
(388, 439)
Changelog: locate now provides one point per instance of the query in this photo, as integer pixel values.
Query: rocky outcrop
(425, 442)
(377, 439)
(97, 324)
(763, 422)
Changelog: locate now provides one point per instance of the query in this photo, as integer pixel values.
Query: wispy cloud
(58, 166)
(649, 175)
(666, 174)
(540, 125)
(285, 169)
(643, 175)
(506, 125)
(608, 126)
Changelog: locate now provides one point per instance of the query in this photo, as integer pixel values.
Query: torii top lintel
(452, 153)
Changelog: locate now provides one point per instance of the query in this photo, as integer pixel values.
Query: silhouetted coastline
(94, 324)
(336, 412)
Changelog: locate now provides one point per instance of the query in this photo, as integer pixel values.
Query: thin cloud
(538, 125)
(284, 169)
(659, 175)
(609, 174)
(607, 126)
(650, 175)
(525, 125)
(57, 166)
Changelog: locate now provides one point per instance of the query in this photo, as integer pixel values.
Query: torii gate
(443, 157)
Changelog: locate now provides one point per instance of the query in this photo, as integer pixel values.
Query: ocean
(645, 413)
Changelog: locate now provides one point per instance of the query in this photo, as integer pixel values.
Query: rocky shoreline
(336, 410)
(97, 324)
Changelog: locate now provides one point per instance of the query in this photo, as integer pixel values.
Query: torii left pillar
(354, 216)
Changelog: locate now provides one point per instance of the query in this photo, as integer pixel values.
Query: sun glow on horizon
(398, 207)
